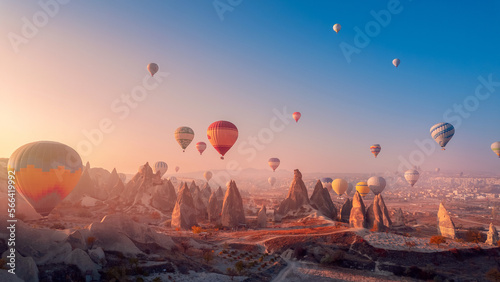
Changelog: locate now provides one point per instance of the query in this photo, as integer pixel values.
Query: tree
(239, 266)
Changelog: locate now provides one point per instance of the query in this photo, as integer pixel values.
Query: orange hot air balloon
(296, 116)
(44, 172)
(222, 135)
(201, 146)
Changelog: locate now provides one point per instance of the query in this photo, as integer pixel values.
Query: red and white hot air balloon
(222, 135)
(201, 146)
(296, 116)
(274, 163)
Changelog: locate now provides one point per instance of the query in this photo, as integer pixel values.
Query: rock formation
(322, 201)
(220, 193)
(345, 211)
(492, 235)
(262, 217)
(232, 209)
(446, 227)
(297, 195)
(199, 204)
(399, 220)
(163, 197)
(86, 187)
(184, 213)
(377, 215)
(206, 191)
(193, 187)
(357, 217)
(214, 209)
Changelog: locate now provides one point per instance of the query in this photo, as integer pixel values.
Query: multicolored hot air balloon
(340, 186)
(222, 135)
(153, 68)
(201, 146)
(44, 172)
(442, 133)
(327, 182)
(208, 175)
(375, 149)
(376, 184)
(396, 62)
(184, 135)
(274, 163)
(271, 180)
(160, 166)
(336, 28)
(177, 169)
(296, 116)
(412, 176)
(496, 148)
(362, 188)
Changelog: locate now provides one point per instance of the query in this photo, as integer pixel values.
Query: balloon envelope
(207, 175)
(177, 169)
(412, 176)
(201, 146)
(160, 166)
(296, 116)
(396, 62)
(327, 182)
(337, 27)
(184, 135)
(45, 172)
(274, 163)
(442, 133)
(362, 188)
(222, 135)
(271, 180)
(376, 184)
(340, 186)
(375, 149)
(496, 148)
(153, 68)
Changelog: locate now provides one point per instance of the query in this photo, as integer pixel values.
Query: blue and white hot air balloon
(327, 182)
(160, 166)
(442, 133)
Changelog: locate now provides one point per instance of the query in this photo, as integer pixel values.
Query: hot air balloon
(340, 186)
(327, 182)
(396, 62)
(350, 187)
(411, 176)
(153, 68)
(376, 184)
(207, 175)
(496, 148)
(438, 169)
(375, 149)
(160, 166)
(296, 116)
(201, 146)
(274, 163)
(442, 132)
(122, 176)
(173, 179)
(336, 28)
(44, 172)
(271, 180)
(222, 135)
(362, 188)
(184, 135)
(177, 169)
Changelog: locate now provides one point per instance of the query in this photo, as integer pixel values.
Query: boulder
(25, 268)
(492, 238)
(82, 260)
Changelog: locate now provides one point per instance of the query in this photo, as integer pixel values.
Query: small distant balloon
(296, 116)
(375, 149)
(376, 184)
(362, 188)
(438, 169)
(160, 166)
(184, 135)
(327, 182)
(207, 175)
(177, 169)
(173, 179)
(412, 176)
(153, 68)
(396, 62)
(201, 146)
(340, 186)
(336, 27)
(271, 180)
(496, 148)
(274, 163)
(442, 133)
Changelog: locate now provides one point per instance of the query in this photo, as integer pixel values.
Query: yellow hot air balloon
(362, 188)
(339, 186)
(44, 172)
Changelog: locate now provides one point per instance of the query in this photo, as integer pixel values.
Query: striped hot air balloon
(412, 176)
(222, 135)
(160, 166)
(271, 180)
(376, 184)
(496, 148)
(153, 68)
(44, 172)
(208, 175)
(296, 116)
(274, 163)
(442, 132)
(362, 188)
(327, 182)
(184, 135)
(340, 186)
(375, 149)
(201, 146)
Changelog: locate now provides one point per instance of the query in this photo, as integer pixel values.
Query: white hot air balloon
(160, 166)
(411, 176)
(337, 27)
(396, 62)
(495, 147)
(376, 184)
(271, 180)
